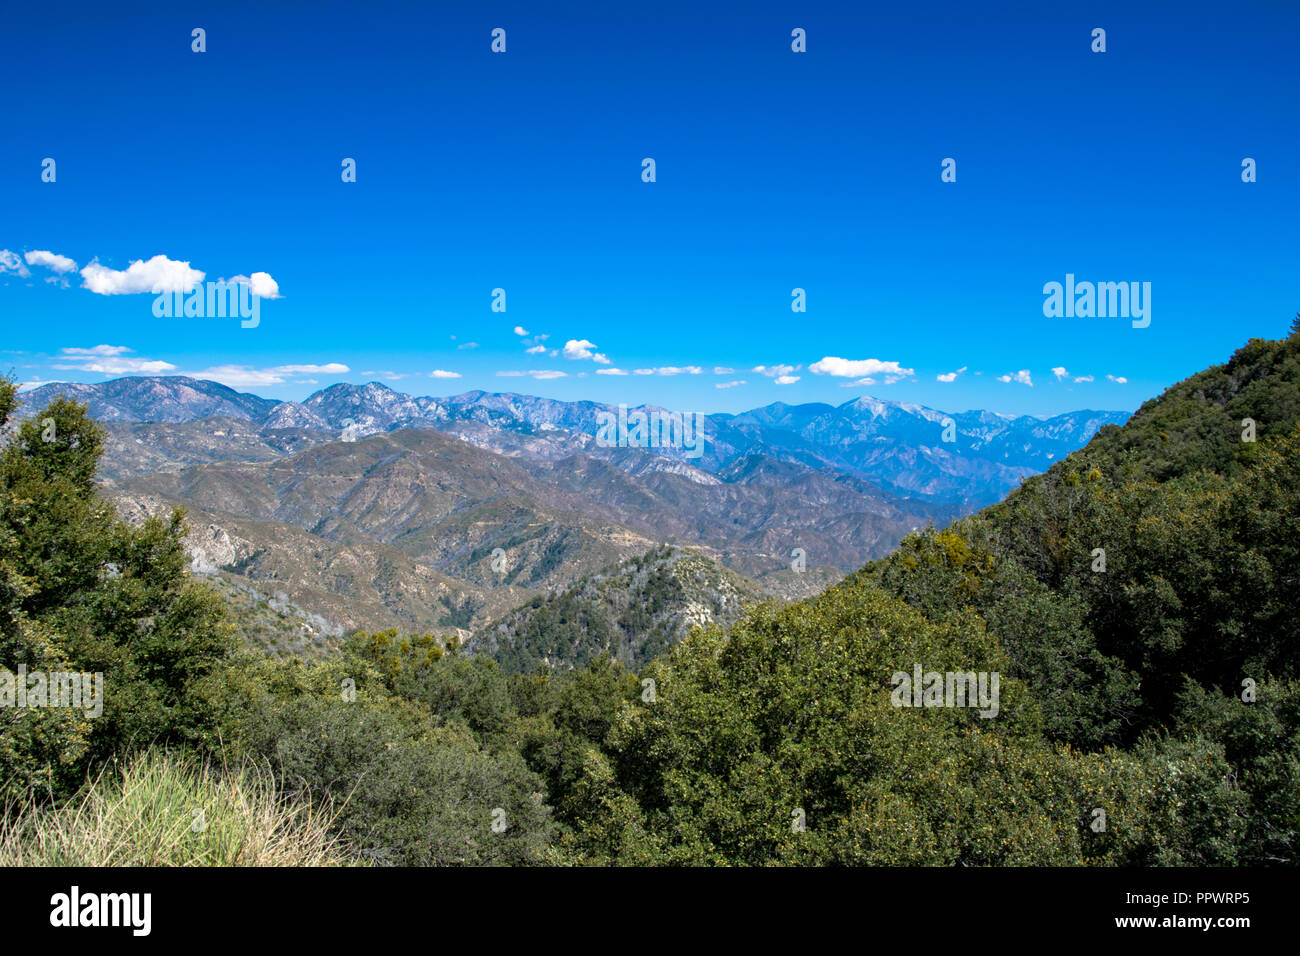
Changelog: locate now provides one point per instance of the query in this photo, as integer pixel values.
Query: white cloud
(114, 360)
(679, 370)
(10, 262)
(578, 349)
(538, 374)
(240, 376)
(245, 376)
(610, 371)
(520, 330)
(1118, 379)
(536, 350)
(1022, 377)
(41, 257)
(720, 370)
(950, 376)
(775, 371)
(853, 368)
(731, 384)
(390, 376)
(122, 366)
(109, 360)
(158, 274)
(1060, 372)
(260, 284)
(329, 368)
(1084, 378)
(786, 379)
(468, 345)
(643, 371)
(443, 373)
(98, 350)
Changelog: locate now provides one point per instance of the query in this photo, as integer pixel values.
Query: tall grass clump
(161, 809)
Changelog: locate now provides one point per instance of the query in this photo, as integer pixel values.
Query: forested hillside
(632, 612)
(1137, 602)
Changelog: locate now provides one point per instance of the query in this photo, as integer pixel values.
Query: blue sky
(775, 170)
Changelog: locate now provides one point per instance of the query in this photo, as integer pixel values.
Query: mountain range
(896, 446)
(368, 507)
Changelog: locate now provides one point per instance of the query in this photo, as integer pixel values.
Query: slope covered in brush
(1138, 602)
(1146, 585)
(632, 612)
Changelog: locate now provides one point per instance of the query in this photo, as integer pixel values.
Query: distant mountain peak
(897, 446)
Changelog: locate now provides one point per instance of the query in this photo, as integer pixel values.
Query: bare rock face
(211, 549)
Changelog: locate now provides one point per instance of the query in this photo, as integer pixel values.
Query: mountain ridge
(898, 446)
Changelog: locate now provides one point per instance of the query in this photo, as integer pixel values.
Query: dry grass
(159, 809)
